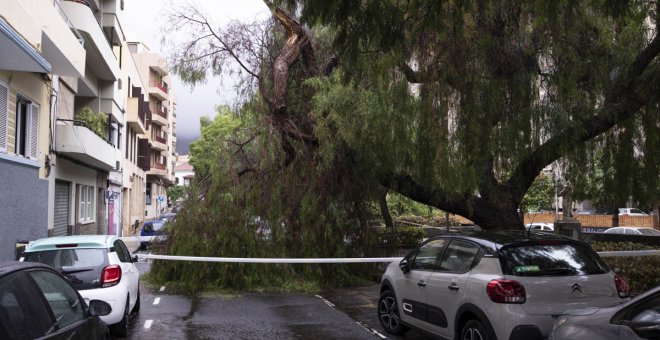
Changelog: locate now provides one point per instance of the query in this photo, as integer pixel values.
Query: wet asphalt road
(336, 314)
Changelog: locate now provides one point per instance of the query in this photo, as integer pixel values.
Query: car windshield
(550, 258)
(649, 232)
(69, 260)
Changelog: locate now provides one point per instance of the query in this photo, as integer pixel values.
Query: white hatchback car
(494, 285)
(100, 267)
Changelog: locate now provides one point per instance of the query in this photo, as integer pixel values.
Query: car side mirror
(646, 324)
(99, 308)
(404, 265)
(134, 258)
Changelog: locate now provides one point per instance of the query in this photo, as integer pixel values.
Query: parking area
(342, 314)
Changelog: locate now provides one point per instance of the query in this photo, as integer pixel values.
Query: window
(428, 254)
(23, 315)
(459, 256)
(27, 128)
(148, 194)
(4, 110)
(62, 298)
(551, 258)
(86, 203)
(122, 252)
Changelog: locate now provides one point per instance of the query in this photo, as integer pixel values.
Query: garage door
(61, 208)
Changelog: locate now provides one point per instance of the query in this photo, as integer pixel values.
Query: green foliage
(248, 206)
(214, 136)
(400, 236)
(641, 272)
(175, 192)
(98, 123)
(540, 195)
(401, 205)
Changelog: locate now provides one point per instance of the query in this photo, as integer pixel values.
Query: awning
(17, 54)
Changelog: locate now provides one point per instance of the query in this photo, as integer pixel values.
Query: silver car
(494, 285)
(638, 318)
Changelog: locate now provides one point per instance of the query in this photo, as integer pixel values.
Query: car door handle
(421, 283)
(453, 287)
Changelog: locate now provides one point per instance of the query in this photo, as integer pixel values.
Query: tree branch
(621, 103)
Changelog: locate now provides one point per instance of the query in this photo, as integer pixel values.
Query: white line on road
(371, 330)
(326, 301)
(157, 301)
(162, 288)
(148, 323)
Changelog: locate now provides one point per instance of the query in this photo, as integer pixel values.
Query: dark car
(152, 232)
(37, 302)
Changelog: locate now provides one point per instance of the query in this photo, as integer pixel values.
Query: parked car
(631, 212)
(38, 302)
(167, 217)
(100, 267)
(636, 319)
(494, 285)
(152, 232)
(547, 227)
(633, 231)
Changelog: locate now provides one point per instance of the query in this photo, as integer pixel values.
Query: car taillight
(622, 286)
(111, 276)
(506, 291)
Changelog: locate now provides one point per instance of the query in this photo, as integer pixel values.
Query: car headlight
(560, 321)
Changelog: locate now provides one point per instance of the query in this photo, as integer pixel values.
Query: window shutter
(34, 131)
(4, 108)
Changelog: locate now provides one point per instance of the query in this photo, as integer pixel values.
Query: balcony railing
(75, 31)
(161, 86)
(161, 113)
(161, 139)
(160, 166)
(83, 124)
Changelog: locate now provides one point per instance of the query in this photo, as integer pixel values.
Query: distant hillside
(182, 143)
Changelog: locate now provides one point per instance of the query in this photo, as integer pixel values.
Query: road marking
(371, 330)
(148, 323)
(162, 288)
(157, 301)
(326, 301)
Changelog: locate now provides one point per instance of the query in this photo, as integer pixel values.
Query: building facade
(160, 136)
(80, 149)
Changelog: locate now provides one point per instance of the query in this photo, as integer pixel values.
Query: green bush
(400, 236)
(98, 123)
(641, 272)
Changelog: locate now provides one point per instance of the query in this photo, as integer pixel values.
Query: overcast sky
(142, 21)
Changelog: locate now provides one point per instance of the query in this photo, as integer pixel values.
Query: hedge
(641, 272)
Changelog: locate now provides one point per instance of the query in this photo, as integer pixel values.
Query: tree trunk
(384, 209)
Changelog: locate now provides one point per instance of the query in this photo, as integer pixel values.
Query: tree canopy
(455, 104)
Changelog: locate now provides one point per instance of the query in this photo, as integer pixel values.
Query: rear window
(649, 232)
(82, 267)
(551, 259)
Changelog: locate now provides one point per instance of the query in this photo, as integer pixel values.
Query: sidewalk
(132, 243)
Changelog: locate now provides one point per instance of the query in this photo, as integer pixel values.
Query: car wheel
(388, 313)
(474, 330)
(120, 329)
(136, 308)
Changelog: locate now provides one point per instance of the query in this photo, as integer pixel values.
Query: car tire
(120, 329)
(136, 308)
(388, 314)
(474, 330)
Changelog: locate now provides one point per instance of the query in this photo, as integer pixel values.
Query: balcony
(100, 58)
(46, 35)
(159, 117)
(110, 106)
(159, 143)
(158, 169)
(135, 117)
(76, 141)
(158, 90)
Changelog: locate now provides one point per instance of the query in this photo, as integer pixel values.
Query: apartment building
(85, 182)
(37, 46)
(160, 136)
